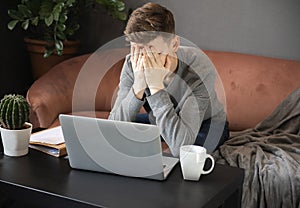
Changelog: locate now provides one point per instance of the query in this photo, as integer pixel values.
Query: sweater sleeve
(181, 128)
(126, 105)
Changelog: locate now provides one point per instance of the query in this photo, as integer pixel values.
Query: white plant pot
(16, 142)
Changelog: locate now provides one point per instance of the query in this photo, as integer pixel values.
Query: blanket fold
(270, 155)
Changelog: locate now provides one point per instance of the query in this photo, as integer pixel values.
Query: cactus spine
(14, 112)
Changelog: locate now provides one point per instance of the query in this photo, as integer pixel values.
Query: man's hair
(149, 21)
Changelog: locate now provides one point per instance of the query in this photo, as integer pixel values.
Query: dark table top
(45, 180)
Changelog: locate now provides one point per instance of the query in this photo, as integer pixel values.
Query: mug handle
(212, 164)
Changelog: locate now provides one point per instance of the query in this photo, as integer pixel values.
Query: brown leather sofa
(254, 86)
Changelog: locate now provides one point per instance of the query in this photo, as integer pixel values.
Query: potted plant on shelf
(14, 126)
(52, 24)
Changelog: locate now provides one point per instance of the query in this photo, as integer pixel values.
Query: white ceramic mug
(192, 160)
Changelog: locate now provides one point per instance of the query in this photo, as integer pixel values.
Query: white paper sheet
(49, 136)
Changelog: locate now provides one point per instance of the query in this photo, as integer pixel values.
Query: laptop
(117, 147)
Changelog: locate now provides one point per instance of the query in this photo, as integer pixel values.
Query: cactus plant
(14, 112)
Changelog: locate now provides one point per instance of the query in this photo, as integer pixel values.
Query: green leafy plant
(56, 21)
(14, 111)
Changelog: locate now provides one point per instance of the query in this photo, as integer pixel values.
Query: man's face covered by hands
(152, 62)
(158, 47)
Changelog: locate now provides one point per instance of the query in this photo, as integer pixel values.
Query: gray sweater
(179, 109)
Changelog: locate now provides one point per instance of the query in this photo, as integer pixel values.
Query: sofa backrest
(254, 85)
(97, 81)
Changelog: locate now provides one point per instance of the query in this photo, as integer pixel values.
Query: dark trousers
(203, 132)
(217, 126)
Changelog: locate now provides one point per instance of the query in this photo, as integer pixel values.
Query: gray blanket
(270, 155)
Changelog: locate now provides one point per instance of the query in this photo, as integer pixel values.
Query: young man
(174, 84)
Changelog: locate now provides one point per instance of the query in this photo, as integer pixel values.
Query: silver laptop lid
(123, 148)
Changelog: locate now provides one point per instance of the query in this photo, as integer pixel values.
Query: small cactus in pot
(14, 112)
(14, 126)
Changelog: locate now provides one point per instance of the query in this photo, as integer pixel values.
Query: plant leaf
(122, 16)
(35, 21)
(11, 25)
(61, 35)
(70, 2)
(14, 14)
(46, 9)
(25, 24)
(61, 27)
(49, 20)
(59, 45)
(63, 18)
(56, 16)
(47, 53)
(56, 11)
(33, 6)
(120, 6)
(72, 29)
(24, 10)
(59, 52)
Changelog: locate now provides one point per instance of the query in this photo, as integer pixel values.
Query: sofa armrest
(51, 94)
(40, 115)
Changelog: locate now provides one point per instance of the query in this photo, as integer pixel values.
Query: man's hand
(156, 68)
(139, 84)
